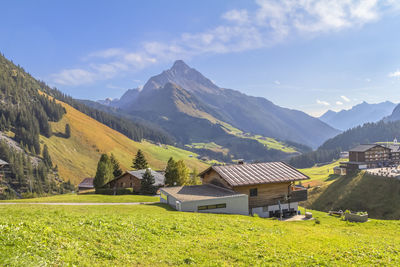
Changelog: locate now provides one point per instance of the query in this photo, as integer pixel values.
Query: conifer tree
(147, 183)
(116, 168)
(46, 157)
(67, 130)
(140, 162)
(104, 172)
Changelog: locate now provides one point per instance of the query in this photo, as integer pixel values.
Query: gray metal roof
(393, 148)
(158, 177)
(199, 192)
(363, 148)
(258, 173)
(87, 183)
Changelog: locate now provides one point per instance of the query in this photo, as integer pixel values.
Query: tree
(104, 172)
(46, 157)
(67, 130)
(183, 173)
(171, 173)
(194, 178)
(140, 162)
(147, 183)
(116, 168)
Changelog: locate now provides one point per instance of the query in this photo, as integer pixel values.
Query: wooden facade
(126, 180)
(266, 194)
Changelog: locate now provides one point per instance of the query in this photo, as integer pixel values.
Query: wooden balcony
(298, 194)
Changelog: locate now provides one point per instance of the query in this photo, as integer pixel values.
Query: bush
(110, 191)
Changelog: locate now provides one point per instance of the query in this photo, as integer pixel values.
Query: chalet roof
(258, 173)
(393, 148)
(87, 183)
(159, 178)
(199, 192)
(364, 147)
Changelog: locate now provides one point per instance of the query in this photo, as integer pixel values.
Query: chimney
(240, 162)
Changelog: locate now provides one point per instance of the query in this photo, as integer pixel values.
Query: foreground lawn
(152, 235)
(74, 198)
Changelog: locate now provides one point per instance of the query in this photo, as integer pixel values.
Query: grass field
(266, 141)
(77, 156)
(321, 175)
(74, 198)
(153, 235)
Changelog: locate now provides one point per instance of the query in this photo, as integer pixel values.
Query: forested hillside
(26, 114)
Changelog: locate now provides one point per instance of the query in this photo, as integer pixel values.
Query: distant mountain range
(358, 115)
(194, 109)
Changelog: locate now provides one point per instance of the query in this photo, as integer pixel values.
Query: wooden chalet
(367, 156)
(270, 186)
(132, 179)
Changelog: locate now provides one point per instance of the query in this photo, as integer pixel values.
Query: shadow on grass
(332, 177)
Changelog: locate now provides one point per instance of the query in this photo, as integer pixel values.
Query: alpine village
(170, 169)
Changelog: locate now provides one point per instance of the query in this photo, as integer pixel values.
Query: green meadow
(154, 235)
(89, 198)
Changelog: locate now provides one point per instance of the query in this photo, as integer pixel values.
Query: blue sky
(307, 55)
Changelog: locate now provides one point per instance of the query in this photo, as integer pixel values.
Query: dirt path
(76, 204)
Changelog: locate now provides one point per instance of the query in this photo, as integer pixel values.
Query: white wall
(234, 205)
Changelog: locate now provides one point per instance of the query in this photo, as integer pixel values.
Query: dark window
(211, 207)
(253, 192)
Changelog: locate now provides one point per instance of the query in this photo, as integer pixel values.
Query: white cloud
(270, 23)
(394, 74)
(324, 103)
(277, 82)
(345, 98)
(339, 103)
(368, 80)
(238, 16)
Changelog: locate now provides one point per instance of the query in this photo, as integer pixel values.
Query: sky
(307, 55)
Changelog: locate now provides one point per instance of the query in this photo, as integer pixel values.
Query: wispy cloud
(345, 98)
(277, 82)
(339, 103)
(394, 74)
(323, 103)
(239, 30)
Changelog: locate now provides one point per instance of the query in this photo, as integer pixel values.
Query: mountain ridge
(358, 115)
(256, 115)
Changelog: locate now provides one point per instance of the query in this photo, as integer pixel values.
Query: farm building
(265, 188)
(86, 184)
(205, 198)
(132, 179)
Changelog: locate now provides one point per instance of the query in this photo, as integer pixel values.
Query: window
(253, 192)
(211, 207)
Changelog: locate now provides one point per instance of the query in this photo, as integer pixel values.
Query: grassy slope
(152, 235)
(379, 196)
(78, 155)
(321, 175)
(74, 198)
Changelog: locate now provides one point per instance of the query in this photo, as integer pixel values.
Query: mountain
(250, 114)
(358, 115)
(128, 97)
(395, 116)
